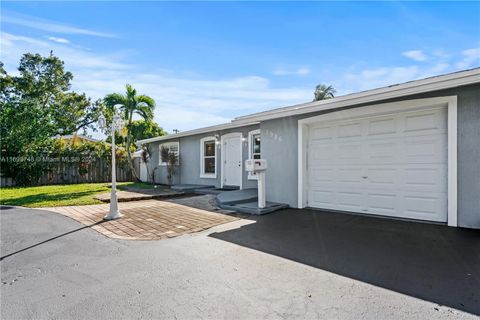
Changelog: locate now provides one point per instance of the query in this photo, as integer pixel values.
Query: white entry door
(232, 159)
(393, 165)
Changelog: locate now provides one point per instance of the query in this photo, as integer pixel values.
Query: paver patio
(150, 219)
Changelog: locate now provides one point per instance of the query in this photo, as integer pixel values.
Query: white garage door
(392, 165)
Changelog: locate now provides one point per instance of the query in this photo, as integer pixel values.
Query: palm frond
(323, 92)
(146, 100)
(144, 111)
(113, 99)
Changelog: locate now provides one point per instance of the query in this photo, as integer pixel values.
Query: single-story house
(410, 150)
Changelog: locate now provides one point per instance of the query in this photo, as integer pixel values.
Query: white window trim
(166, 144)
(251, 175)
(405, 105)
(202, 163)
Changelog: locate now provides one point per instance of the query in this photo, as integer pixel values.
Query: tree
(36, 105)
(323, 92)
(132, 103)
(144, 129)
(141, 129)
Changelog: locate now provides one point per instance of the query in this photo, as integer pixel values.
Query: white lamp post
(117, 124)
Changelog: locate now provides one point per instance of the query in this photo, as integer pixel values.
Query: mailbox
(259, 167)
(255, 165)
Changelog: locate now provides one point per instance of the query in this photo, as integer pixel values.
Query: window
(254, 149)
(171, 146)
(208, 157)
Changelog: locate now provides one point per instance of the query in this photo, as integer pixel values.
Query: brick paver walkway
(146, 220)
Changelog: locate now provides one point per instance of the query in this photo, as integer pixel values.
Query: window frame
(251, 134)
(167, 144)
(202, 158)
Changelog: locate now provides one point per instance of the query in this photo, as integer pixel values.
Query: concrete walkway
(150, 219)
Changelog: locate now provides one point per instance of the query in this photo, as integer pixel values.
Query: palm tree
(323, 92)
(132, 103)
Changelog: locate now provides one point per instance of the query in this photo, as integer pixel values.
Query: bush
(27, 168)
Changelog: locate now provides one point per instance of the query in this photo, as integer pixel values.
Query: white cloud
(416, 55)
(440, 67)
(439, 62)
(379, 77)
(301, 71)
(470, 57)
(183, 101)
(187, 101)
(14, 46)
(59, 40)
(50, 26)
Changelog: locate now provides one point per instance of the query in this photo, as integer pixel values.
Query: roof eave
(414, 87)
(436, 83)
(224, 126)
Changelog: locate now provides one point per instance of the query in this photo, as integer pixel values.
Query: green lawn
(59, 195)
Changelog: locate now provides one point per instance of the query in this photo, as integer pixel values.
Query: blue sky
(207, 62)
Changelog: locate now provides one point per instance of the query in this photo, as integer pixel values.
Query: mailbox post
(258, 166)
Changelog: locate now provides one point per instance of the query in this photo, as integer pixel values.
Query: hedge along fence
(85, 163)
(79, 170)
(96, 170)
(67, 171)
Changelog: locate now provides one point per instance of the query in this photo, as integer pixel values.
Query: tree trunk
(130, 162)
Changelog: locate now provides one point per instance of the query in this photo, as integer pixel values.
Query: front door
(232, 160)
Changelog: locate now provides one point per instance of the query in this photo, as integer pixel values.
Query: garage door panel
(321, 133)
(349, 176)
(433, 179)
(424, 148)
(384, 151)
(383, 126)
(425, 206)
(393, 165)
(349, 130)
(348, 152)
(424, 121)
(382, 203)
(351, 201)
(322, 155)
(381, 177)
(321, 175)
(322, 198)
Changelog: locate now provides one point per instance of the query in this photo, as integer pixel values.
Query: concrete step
(226, 187)
(208, 191)
(246, 201)
(237, 196)
(190, 188)
(252, 207)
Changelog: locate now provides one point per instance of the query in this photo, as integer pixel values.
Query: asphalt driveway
(346, 267)
(432, 262)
